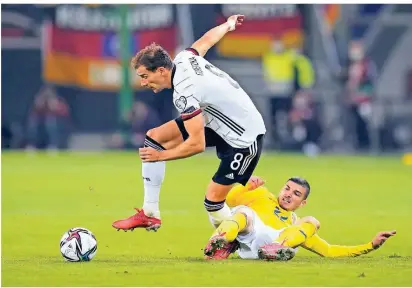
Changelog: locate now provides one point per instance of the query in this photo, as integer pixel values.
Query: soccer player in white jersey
(215, 111)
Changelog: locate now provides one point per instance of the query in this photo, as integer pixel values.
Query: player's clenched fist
(235, 21)
(255, 182)
(381, 237)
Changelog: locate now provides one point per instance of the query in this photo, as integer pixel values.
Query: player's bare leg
(166, 136)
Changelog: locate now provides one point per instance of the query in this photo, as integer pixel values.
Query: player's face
(291, 197)
(156, 80)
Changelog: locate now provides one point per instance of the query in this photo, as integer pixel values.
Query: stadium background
(43, 45)
(73, 53)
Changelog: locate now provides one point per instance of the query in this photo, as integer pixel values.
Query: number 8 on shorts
(235, 164)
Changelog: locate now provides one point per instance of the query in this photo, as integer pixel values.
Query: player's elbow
(200, 148)
(315, 222)
(197, 144)
(153, 133)
(312, 220)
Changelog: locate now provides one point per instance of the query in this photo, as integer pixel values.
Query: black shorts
(237, 164)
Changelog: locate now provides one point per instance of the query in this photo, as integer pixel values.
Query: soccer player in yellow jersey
(266, 227)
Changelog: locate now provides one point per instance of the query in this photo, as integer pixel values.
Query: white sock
(153, 174)
(217, 217)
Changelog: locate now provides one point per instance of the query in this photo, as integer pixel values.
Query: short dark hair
(152, 57)
(302, 182)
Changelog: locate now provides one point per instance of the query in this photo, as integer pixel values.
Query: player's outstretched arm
(381, 238)
(323, 248)
(211, 37)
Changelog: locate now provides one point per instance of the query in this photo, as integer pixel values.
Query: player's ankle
(154, 214)
(151, 210)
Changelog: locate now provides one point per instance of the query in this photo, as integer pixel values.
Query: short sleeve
(188, 52)
(188, 106)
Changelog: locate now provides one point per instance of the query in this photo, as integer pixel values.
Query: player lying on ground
(264, 226)
(215, 111)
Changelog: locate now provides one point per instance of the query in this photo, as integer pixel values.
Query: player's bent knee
(152, 133)
(152, 140)
(248, 213)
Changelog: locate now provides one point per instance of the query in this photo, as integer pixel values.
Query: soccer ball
(78, 244)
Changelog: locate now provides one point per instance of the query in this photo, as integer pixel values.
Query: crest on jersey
(181, 103)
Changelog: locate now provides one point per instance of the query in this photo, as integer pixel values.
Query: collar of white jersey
(173, 75)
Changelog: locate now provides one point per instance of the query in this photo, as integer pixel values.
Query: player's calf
(218, 211)
(215, 202)
(153, 175)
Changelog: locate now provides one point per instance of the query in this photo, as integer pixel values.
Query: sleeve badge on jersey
(181, 103)
(190, 110)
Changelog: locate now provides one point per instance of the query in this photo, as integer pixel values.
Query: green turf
(43, 196)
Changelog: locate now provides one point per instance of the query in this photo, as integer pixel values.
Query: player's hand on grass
(148, 154)
(255, 182)
(381, 237)
(235, 21)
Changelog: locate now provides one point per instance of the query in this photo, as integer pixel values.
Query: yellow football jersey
(266, 205)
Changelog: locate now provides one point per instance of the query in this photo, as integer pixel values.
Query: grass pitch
(43, 196)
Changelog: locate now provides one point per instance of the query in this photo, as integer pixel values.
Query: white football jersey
(227, 109)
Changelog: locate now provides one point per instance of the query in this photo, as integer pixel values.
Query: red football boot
(138, 220)
(218, 248)
(276, 252)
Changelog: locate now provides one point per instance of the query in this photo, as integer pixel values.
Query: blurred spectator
(285, 71)
(409, 85)
(12, 136)
(305, 125)
(6, 136)
(47, 121)
(360, 89)
(133, 131)
(304, 71)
